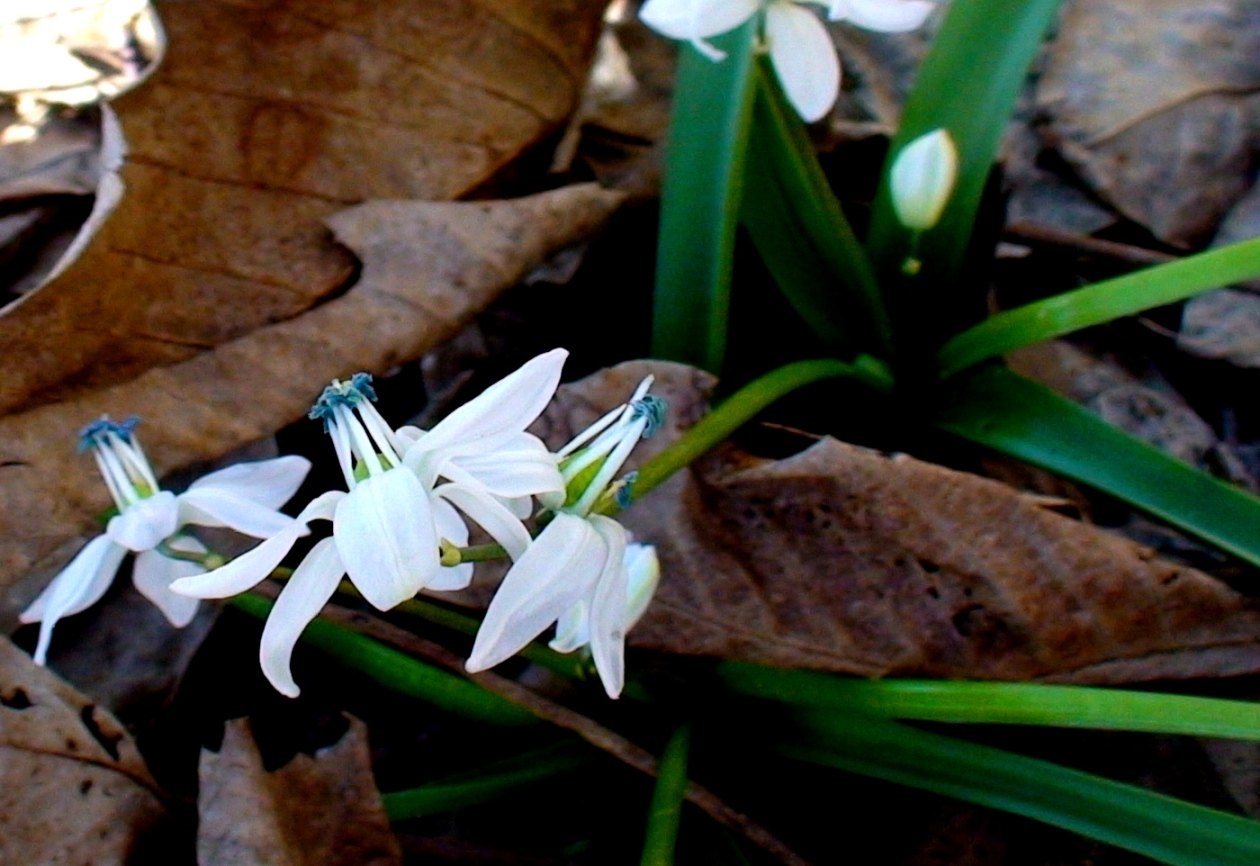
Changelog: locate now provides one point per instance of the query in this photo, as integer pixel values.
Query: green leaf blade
(997, 408)
(700, 200)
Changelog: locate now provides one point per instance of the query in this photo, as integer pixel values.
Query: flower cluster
(800, 48)
(409, 496)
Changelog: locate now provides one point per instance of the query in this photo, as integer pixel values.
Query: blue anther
(625, 490)
(348, 394)
(652, 408)
(95, 433)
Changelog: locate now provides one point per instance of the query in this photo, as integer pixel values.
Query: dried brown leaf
(846, 559)
(1154, 102)
(315, 811)
(428, 269)
(264, 119)
(73, 788)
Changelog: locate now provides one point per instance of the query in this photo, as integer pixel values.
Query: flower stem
(743, 405)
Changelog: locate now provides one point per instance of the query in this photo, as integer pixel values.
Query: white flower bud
(922, 178)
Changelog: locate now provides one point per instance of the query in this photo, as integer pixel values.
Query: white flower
(922, 178)
(800, 47)
(578, 570)
(404, 489)
(245, 497)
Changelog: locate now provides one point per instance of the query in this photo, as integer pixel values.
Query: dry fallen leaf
(849, 560)
(1153, 101)
(263, 120)
(428, 269)
(73, 788)
(315, 811)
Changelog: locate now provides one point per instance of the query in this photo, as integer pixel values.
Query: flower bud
(922, 178)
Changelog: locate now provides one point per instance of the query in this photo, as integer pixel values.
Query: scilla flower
(404, 488)
(800, 47)
(578, 569)
(922, 178)
(245, 497)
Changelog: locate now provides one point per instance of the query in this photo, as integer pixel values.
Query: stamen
(348, 394)
(94, 434)
(653, 409)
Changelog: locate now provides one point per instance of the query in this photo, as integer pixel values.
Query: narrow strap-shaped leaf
(802, 234)
(999, 703)
(400, 672)
(488, 783)
(967, 84)
(1101, 302)
(1160, 827)
(1001, 409)
(665, 812)
(700, 200)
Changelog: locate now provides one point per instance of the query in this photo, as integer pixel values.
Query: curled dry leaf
(73, 788)
(846, 559)
(1154, 102)
(264, 119)
(315, 811)
(428, 269)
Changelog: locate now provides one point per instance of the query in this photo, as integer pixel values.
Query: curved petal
(644, 570)
(451, 527)
(504, 409)
(253, 566)
(885, 16)
(573, 629)
(153, 575)
(386, 537)
(608, 608)
(269, 483)
(490, 514)
(804, 58)
(301, 600)
(145, 524)
(559, 569)
(75, 588)
(212, 506)
(696, 19)
(522, 467)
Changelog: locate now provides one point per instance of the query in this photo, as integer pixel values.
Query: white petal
(270, 483)
(644, 570)
(696, 19)
(254, 565)
(886, 16)
(145, 524)
(573, 629)
(503, 410)
(490, 514)
(211, 506)
(608, 608)
(75, 588)
(804, 58)
(922, 177)
(557, 570)
(386, 537)
(451, 527)
(153, 575)
(521, 467)
(303, 596)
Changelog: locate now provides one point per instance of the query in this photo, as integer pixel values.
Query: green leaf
(1099, 303)
(1013, 415)
(999, 703)
(488, 783)
(667, 800)
(1160, 827)
(400, 672)
(802, 234)
(967, 84)
(700, 200)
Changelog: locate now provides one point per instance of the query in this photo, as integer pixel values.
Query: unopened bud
(922, 178)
